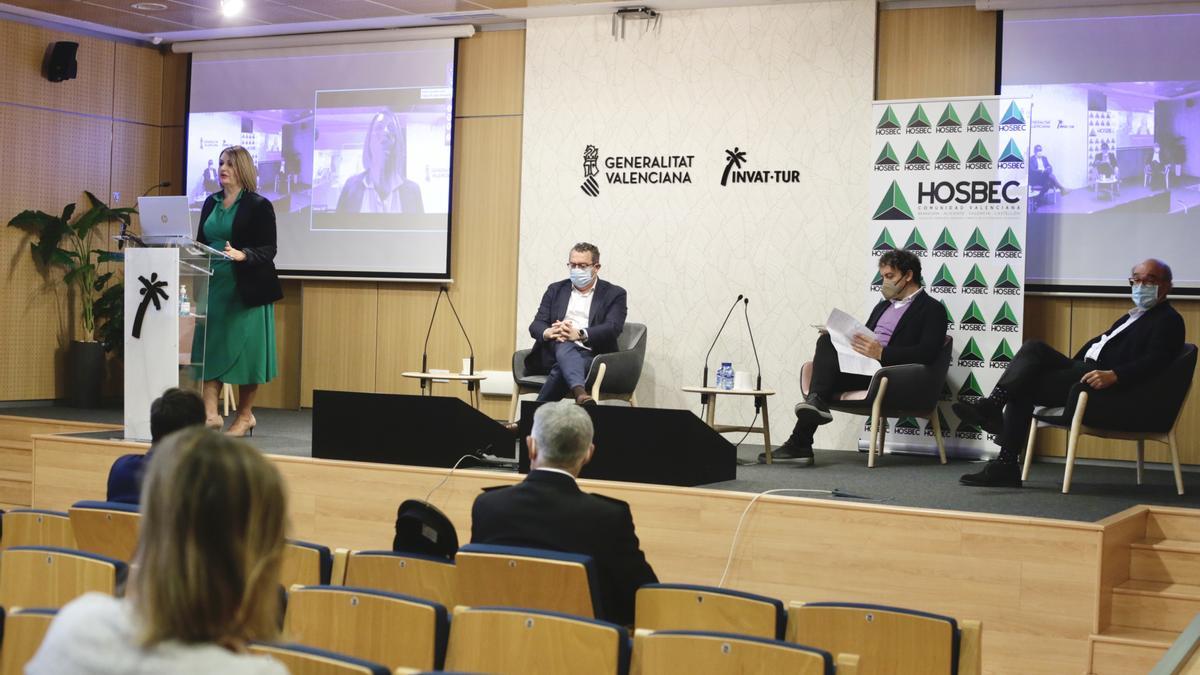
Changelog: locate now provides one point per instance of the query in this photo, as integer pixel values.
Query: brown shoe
(582, 397)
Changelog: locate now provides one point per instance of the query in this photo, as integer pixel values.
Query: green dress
(239, 345)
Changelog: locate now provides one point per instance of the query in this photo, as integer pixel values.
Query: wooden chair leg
(228, 396)
(937, 434)
(1029, 446)
(876, 420)
(883, 427)
(633, 400)
(599, 381)
(1141, 458)
(1171, 443)
(1073, 440)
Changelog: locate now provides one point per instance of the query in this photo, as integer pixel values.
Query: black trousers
(1038, 375)
(827, 380)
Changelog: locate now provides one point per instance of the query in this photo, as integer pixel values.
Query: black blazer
(606, 320)
(350, 199)
(548, 510)
(919, 335)
(1144, 349)
(254, 235)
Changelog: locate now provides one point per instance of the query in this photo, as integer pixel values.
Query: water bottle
(185, 307)
(726, 376)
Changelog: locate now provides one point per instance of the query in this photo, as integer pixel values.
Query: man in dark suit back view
(548, 510)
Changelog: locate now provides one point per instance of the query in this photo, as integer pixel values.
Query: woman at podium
(239, 346)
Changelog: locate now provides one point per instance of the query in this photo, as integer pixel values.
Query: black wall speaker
(60, 62)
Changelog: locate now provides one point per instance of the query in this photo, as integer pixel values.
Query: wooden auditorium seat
(387, 628)
(888, 640)
(422, 576)
(706, 608)
(43, 576)
(714, 653)
(301, 660)
(513, 576)
(511, 641)
(106, 528)
(306, 564)
(23, 633)
(36, 527)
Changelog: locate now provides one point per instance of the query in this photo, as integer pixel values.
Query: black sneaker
(800, 455)
(813, 410)
(983, 413)
(994, 474)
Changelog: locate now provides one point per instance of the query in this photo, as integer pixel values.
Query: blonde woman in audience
(205, 576)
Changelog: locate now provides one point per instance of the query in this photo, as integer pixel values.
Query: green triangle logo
(1005, 317)
(878, 280)
(908, 423)
(917, 155)
(1011, 152)
(964, 428)
(894, 206)
(946, 395)
(980, 117)
(919, 118)
(971, 352)
(1007, 279)
(945, 242)
(1009, 242)
(970, 387)
(949, 118)
(1003, 353)
(979, 153)
(973, 316)
(889, 120)
(949, 316)
(947, 154)
(915, 241)
(975, 278)
(1012, 115)
(884, 242)
(887, 156)
(944, 279)
(976, 242)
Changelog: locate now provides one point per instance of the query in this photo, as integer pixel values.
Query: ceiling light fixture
(149, 6)
(231, 8)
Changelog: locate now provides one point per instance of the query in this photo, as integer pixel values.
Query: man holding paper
(907, 326)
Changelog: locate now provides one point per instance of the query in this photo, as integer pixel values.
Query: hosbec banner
(949, 183)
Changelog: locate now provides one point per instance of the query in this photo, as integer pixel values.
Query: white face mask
(581, 278)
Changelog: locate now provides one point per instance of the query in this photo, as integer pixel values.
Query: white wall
(790, 85)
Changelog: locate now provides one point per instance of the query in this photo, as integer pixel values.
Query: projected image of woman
(384, 186)
(239, 347)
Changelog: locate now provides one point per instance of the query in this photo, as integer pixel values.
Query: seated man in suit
(1041, 172)
(578, 318)
(174, 410)
(1141, 344)
(1106, 162)
(910, 327)
(548, 510)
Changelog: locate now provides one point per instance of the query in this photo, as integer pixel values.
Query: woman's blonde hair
(243, 167)
(214, 516)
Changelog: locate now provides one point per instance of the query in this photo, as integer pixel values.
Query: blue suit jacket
(606, 320)
(125, 478)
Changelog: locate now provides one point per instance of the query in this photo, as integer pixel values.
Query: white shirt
(1093, 352)
(556, 470)
(1041, 162)
(372, 203)
(96, 634)
(906, 301)
(579, 308)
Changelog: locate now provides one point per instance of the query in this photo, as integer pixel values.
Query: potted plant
(70, 245)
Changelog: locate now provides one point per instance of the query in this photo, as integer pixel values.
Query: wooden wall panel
(942, 51)
(338, 323)
(137, 82)
(491, 74)
(22, 51)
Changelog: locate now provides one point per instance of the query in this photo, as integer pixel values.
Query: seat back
(683, 607)
(514, 641)
(1152, 405)
(423, 528)
(395, 630)
(670, 652)
(306, 564)
(302, 660)
(886, 639)
(426, 577)
(41, 576)
(106, 528)
(37, 527)
(512, 576)
(24, 630)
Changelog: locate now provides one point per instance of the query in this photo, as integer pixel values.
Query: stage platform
(1098, 490)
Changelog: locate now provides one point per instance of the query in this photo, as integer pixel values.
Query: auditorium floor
(1097, 491)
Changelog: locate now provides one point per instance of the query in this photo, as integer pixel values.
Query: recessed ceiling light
(232, 7)
(149, 6)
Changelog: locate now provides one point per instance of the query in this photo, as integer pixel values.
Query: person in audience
(1041, 172)
(579, 317)
(548, 510)
(909, 326)
(383, 186)
(1141, 344)
(205, 577)
(174, 410)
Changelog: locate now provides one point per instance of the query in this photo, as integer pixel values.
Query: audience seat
(23, 633)
(888, 640)
(107, 528)
(512, 641)
(387, 628)
(713, 653)
(513, 576)
(683, 607)
(37, 527)
(422, 576)
(301, 660)
(43, 576)
(306, 564)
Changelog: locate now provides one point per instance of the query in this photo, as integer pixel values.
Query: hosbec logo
(733, 172)
(1012, 119)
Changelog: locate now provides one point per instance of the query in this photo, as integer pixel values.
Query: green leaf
(75, 274)
(67, 211)
(110, 256)
(101, 280)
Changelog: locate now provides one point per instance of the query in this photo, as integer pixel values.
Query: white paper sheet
(842, 328)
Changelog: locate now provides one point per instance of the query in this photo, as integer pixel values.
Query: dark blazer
(919, 335)
(254, 235)
(125, 478)
(1144, 349)
(548, 510)
(350, 199)
(606, 320)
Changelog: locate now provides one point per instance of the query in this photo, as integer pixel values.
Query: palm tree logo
(733, 158)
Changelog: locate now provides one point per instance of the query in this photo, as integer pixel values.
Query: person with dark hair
(176, 409)
(1041, 172)
(909, 326)
(1105, 162)
(579, 317)
(1141, 344)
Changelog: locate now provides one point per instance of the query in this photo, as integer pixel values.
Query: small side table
(428, 378)
(710, 395)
